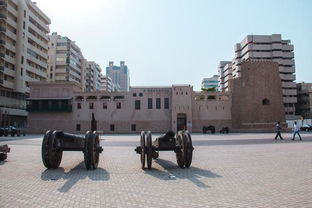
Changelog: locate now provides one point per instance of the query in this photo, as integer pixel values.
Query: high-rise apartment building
(304, 105)
(24, 32)
(66, 62)
(210, 83)
(225, 73)
(106, 83)
(93, 76)
(119, 75)
(271, 48)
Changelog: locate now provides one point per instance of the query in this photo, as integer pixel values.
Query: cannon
(4, 149)
(55, 142)
(181, 144)
(210, 128)
(224, 130)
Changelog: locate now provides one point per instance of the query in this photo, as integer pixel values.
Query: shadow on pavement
(172, 171)
(3, 162)
(15, 138)
(79, 172)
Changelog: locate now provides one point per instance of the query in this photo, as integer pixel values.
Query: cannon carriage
(4, 149)
(55, 142)
(181, 144)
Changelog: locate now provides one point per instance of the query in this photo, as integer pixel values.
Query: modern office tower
(304, 104)
(106, 83)
(93, 76)
(272, 48)
(119, 75)
(210, 83)
(66, 62)
(24, 32)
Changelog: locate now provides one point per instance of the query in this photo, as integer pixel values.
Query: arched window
(79, 98)
(91, 98)
(265, 101)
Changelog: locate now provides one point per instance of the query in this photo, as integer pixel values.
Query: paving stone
(235, 170)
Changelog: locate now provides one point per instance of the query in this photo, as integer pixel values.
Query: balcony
(288, 48)
(2, 55)
(288, 84)
(287, 69)
(289, 55)
(49, 108)
(2, 29)
(290, 99)
(3, 16)
(1, 81)
(288, 77)
(1, 68)
(2, 42)
(3, 4)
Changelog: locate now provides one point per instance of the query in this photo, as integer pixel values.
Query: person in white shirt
(296, 131)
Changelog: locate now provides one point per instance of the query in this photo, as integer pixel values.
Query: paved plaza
(235, 170)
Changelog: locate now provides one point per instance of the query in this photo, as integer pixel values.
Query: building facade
(225, 73)
(93, 77)
(211, 83)
(66, 62)
(24, 32)
(304, 104)
(119, 75)
(270, 48)
(106, 83)
(159, 109)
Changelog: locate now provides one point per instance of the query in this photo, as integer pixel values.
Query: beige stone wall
(211, 108)
(182, 104)
(39, 123)
(239, 110)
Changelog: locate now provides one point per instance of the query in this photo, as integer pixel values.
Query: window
(112, 127)
(133, 127)
(78, 105)
(77, 127)
(22, 61)
(141, 94)
(24, 25)
(134, 94)
(157, 103)
(91, 105)
(150, 103)
(211, 97)
(265, 102)
(118, 105)
(137, 104)
(104, 105)
(166, 103)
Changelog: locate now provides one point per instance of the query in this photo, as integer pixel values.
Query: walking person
(278, 131)
(296, 130)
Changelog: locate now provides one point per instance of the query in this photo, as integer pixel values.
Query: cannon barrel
(67, 136)
(167, 136)
(165, 140)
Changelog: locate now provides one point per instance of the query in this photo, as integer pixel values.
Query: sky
(165, 42)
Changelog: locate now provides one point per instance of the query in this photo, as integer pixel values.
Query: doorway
(181, 121)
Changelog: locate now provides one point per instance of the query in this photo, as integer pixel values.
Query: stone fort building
(254, 103)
